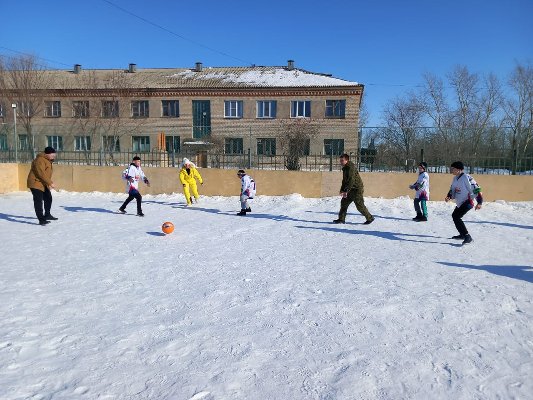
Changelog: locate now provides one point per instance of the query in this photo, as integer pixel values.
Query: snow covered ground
(280, 304)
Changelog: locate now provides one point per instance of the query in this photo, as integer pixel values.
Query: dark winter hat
(458, 165)
(136, 158)
(424, 165)
(49, 150)
(241, 172)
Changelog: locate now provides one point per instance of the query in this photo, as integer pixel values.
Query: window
(233, 145)
(140, 109)
(52, 109)
(55, 141)
(173, 144)
(80, 109)
(300, 109)
(26, 108)
(3, 142)
(110, 109)
(266, 147)
(233, 109)
(333, 147)
(266, 109)
(301, 146)
(111, 143)
(141, 143)
(24, 143)
(171, 108)
(335, 108)
(82, 143)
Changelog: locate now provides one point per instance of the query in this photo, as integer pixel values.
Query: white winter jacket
(465, 188)
(421, 186)
(137, 174)
(248, 186)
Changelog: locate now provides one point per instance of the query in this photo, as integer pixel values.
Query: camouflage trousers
(356, 197)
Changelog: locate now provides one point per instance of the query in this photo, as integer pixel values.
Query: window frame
(337, 109)
(141, 146)
(300, 107)
(339, 149)
(106, 141)
(110, 109)
(82, 143)
(233, 143)
(23, 142)
(80, 109)
(260, 109)
(173, 106)
(235, 106)
(140, 109)
(55, 141)
(52, 109)
(173, 137)
(3, 142)
(266, 146)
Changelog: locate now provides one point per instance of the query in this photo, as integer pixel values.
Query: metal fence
(316, 162)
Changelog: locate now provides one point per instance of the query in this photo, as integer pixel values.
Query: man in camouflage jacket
(351, 191)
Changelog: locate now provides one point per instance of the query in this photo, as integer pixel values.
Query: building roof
(187, 78)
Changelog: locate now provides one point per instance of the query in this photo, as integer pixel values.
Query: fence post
(249, 158)
(514, 162)
(422, 155)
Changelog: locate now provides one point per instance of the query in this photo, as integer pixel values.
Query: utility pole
(15, 144)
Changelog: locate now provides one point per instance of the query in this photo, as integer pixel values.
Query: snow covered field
(280, 304)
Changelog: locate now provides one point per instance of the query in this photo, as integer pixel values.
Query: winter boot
(338, 221)
(242, 212)
(43, 222)
(418, 216)
(458, 237)
(50, 217)
(468, 239)
(248, 209)
(122, 211)
(369, 221)
(140, 214)
(422, 219)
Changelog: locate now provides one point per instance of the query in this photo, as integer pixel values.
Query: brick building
(237, 108)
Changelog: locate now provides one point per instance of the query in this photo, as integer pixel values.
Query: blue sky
(385, 44)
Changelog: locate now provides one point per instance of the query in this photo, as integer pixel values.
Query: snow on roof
(266, 77)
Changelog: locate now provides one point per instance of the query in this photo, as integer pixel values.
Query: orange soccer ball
(168, 227)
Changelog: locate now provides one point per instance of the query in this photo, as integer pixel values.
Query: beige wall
(219, 182)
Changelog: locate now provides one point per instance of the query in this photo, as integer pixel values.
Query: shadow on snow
(13, 218)
(520, 272)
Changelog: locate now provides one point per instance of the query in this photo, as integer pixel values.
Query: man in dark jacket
(351, 191)
(40, 183)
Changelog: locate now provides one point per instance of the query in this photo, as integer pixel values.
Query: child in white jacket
(133, 175)
(463, 189)
(422, 193)
(247, 191)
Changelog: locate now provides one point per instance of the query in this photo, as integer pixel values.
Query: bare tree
(477, 102)
(294, 138)
(438, 111)
(403, 117)
(518, 110)
(23, 81)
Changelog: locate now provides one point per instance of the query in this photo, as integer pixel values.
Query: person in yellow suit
(188, 176)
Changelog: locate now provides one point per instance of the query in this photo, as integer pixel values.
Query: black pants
(354, 196)
(459, 213)
(40, 197)
(131, 196)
